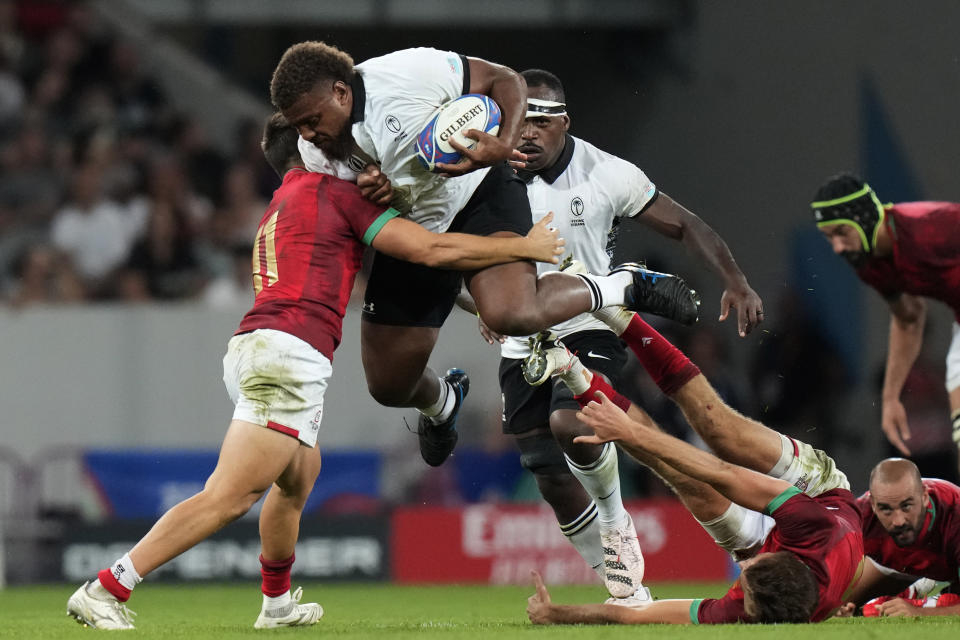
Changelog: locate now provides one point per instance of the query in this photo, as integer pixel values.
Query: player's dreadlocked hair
(782, 589)
(279, 144)
(543, 78)
(302, 66)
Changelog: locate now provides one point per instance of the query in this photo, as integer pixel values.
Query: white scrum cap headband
(537, 108)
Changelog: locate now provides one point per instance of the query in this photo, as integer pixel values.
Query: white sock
(617, 318)
(442, 406)
(276, 602)
(124, 572)
(607, 290)
(601, 480)
(575, 377)
(584, 534)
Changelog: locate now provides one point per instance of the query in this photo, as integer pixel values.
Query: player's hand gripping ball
(470, 111)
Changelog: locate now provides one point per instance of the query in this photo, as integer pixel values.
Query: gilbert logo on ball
(471, 111)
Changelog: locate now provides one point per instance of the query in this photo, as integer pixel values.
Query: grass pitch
(386, 612)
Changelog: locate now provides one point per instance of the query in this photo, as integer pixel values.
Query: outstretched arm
(409, 241)
(738, 484)
(671, 219)
(541, 610)
(908, 316)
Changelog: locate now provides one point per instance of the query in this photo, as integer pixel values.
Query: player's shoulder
(602, 167)
(946, 491)
(409, 60)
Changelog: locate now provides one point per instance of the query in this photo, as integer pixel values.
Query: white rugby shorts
(278, 381)
(810, 470)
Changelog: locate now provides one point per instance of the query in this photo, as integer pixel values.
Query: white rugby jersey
(589, 191)
(393, 99)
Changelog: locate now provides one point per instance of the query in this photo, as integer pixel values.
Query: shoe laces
(123, 612)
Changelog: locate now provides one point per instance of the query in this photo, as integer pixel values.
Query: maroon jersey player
(306, 255)
(776, 504)
(911, 530)
(905, 251)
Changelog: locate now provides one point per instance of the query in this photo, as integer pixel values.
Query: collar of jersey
(928, 525)
(551, 173)
(359, 98)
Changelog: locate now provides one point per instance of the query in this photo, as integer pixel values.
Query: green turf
(383, 612)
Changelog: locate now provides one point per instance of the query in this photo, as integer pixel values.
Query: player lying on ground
(340, 111)
(911, 536)
(606, 194)
(306, 256)
(778, 505)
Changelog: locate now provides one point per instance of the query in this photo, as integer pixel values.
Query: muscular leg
(575, 511)
(559, 488)
(395, 364)
(283, 506)
(700, 499)
(566, 427)
(513, 301)
(732, 436)
(251, 459)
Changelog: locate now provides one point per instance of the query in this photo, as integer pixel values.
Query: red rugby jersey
(936, 552)
(926, 258)
(306, 256)
(824, 532)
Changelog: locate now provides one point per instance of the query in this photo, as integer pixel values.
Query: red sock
(599, 384)
(276, 576)
(667, 365)
(111, 584)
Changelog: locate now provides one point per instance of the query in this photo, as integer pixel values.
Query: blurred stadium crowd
(107, 191)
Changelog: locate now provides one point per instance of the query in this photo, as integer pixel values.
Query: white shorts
(740, 530)
(953, 360)
(277, 380)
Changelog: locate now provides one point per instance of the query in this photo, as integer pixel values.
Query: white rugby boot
(622, 560)
(547, 358)
(99, 613)
(292, 615)
(640, 598)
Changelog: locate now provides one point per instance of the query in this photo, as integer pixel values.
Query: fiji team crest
(576, 209)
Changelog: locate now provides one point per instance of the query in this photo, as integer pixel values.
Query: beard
(904, 536)
(338, 148)
(856, 258)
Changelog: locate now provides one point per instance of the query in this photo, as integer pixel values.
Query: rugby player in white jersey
(591, 192)
(373, 113)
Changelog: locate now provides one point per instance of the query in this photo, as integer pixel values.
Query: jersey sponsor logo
(392, 124)
(596, 355)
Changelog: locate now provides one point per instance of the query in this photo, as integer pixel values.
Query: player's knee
(393, 391)
(559, 487)
(542, 456)
(566, 427)
(513, 320)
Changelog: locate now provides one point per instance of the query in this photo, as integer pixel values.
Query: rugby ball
(470, 111)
